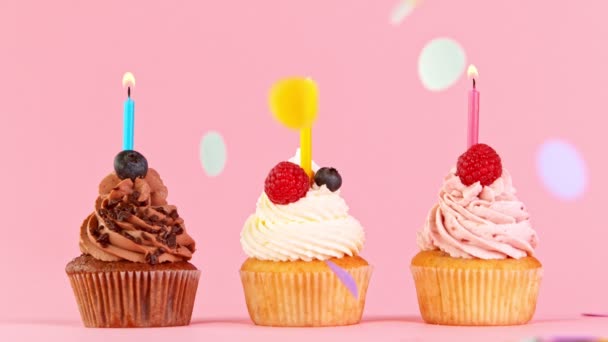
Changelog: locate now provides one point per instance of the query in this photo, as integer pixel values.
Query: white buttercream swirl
(317, 226)
(486, 222)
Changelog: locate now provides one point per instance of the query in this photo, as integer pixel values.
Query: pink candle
(473, 124)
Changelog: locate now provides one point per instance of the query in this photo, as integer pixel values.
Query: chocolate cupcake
(134, 269)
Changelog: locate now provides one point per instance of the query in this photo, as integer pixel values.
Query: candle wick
(129, 90)
(473, 83)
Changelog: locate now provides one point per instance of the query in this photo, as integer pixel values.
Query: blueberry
(330, 177)
(130, 164)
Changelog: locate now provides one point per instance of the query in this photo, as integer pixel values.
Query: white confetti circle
(562, 169)
(441, 63)
(213, 153)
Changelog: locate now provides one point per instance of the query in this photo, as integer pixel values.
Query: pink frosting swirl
(485, 222)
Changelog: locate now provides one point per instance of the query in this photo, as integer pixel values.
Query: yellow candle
(306, 150)
(294, 102)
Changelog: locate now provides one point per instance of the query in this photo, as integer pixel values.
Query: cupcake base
(475, 292)
(124, 294)
(304, 294)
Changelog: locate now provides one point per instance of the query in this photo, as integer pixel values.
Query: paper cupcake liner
(135, 299)
(476, 296)
(304, 299)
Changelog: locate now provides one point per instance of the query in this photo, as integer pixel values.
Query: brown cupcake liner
(476, 296)
(304, 299)
(135, 298)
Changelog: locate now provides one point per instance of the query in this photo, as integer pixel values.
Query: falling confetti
(345, 278)
(595, 314)
(441, 63)
(562, 169)
(213, 153)
(402, 10)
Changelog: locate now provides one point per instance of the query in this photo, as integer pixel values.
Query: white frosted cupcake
(304, 267)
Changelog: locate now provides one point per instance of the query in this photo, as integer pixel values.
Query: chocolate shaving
(103, 240)
(94, 231)
(147, 221)
(133, 197)
(152, 258)
(147, 230)
(171, 241)
(153, 220)
(128, 236)
(123, 216)
(113, 226)
(111, 215)
(137, 240)
(167, 238)
(112, 203)
(103, 213)
(177, 229)
(174, 214)
(126, 207)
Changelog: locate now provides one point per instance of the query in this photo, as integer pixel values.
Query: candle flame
(472, 72)
(128, 80)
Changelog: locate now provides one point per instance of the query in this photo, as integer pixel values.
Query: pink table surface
(379, 329)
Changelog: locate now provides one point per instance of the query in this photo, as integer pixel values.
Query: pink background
(203, 65)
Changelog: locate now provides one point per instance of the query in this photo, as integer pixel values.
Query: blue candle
(128, 126)
(128, 122)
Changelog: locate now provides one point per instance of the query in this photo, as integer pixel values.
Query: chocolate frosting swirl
(133, 221)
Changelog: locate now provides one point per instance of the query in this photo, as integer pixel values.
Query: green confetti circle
(213, 153)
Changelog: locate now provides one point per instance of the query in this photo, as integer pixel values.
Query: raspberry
(286, 183)
(480, 163)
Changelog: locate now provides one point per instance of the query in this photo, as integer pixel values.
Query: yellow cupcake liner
(304, 299)
(476, 296)
(136, 298)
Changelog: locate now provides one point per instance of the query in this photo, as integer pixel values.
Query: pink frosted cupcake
(477, 264)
